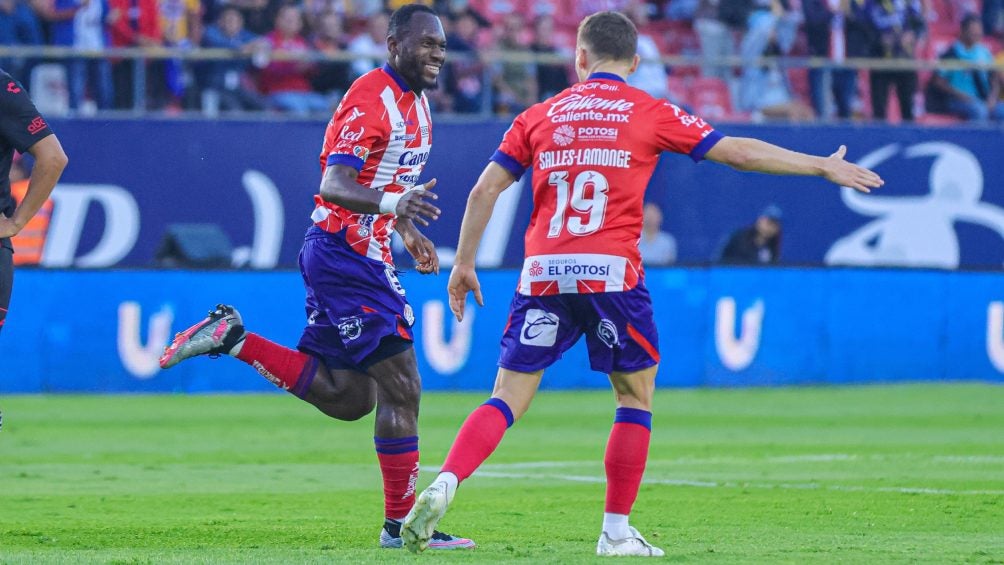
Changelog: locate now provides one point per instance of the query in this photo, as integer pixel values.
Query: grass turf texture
(858, 475)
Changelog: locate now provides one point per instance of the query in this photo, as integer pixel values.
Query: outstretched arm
(748, 154)
(50, 160)
(480, 204)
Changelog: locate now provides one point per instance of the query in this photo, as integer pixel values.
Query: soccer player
(592, 149)
(356, 350)
(22, 129)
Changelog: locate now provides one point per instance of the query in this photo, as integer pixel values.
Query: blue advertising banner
(942, 206)
(91, 331)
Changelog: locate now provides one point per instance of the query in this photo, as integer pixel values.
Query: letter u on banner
(737, 353)
(446, 357)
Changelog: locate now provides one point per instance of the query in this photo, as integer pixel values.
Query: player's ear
(392, 45)
(581, 61)
(634, 64)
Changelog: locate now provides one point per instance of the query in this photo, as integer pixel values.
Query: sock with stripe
(286, 368)
(626, 454)
(478, 438)
(399, 465)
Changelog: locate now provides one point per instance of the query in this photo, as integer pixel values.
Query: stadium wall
(128, 180)
(90, 331)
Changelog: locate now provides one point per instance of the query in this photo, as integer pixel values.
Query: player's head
(608, 41)
(417, 45)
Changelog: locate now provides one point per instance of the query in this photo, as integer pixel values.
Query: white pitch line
(486, 472)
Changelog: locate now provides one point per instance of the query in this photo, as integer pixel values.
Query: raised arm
(480, 204)
(748, 154)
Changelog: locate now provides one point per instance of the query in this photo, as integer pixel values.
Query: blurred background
(193, 130)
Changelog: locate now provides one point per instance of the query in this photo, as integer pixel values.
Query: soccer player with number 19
(592, 149)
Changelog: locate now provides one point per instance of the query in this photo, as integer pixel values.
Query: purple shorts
(354, 303)
(619, 327)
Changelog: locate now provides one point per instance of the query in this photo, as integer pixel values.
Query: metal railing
(140, 57)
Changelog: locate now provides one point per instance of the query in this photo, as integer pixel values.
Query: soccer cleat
(419, 527)
(390, 537)
(630, 546)
(216, 335)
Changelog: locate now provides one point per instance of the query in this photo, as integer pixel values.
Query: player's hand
(845, 173)
(7, 227)
(422, 251)
(416, 205)
(463, 280)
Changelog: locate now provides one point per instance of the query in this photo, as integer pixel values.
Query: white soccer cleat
(420, 525)
(635, 545)
(216, 335)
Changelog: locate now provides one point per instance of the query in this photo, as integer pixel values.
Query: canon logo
(574, 102)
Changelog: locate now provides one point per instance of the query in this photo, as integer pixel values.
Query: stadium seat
(938, 120)
(710, 98)
(678, 88)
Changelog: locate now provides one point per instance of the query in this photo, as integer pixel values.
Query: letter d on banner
(737, 354)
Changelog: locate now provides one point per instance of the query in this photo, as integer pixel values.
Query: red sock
(627, 452)
(287, 369)
(478, 438)
(399, 465)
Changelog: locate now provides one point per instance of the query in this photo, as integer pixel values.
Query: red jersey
(384, 130)
(593, 149)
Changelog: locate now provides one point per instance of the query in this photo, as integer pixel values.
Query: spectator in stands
(760, 24)
(370, 48)
(259, 15)
(715, 38)
(133, 23)
(552, 78)
(181, 22)
(759, 244)
(332, 77)
(835, 29)
(897, 24)
(774, 99)
(650, 75)
(658, 248)
(514, 83)
(286, 83)
(18, 26)
(465, 73)
(969, 94)
(229, 86)
(80, 24)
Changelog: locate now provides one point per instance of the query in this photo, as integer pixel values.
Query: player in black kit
(24, 130)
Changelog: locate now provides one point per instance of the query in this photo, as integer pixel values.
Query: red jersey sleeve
(680, 132)
(514, 154)
(359, 127)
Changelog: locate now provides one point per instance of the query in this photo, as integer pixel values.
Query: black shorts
(6, 278)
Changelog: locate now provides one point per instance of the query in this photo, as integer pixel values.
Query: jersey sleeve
(514, 154)
(20, 123)
(358, 125)
(680, 132)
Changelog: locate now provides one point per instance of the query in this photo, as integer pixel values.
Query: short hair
(402, 16)
(609, 35)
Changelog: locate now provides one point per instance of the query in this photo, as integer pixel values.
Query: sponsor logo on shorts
(312, 319)
(540, 328)
(409, 315)
(607, 332)
(350, 328)
(393, 281)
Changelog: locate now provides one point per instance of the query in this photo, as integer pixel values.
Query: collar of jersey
(605, 76)
(397, 78)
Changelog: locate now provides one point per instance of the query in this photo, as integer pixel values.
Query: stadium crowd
(299, 57)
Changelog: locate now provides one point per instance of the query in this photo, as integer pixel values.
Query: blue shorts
(356, 308)
(619, 328)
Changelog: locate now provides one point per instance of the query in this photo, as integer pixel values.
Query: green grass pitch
(879, 474)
